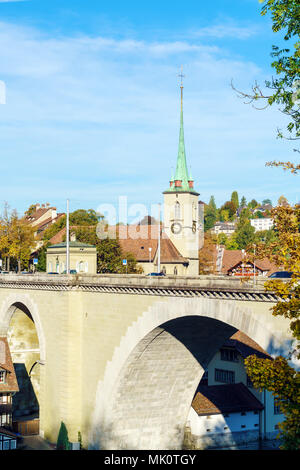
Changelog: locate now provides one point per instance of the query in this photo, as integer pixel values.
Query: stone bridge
(118, 357)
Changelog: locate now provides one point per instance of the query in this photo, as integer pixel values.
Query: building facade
(83, 258)
(8, 387)
(227, 411)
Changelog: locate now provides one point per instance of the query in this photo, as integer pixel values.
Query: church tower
(181, 221)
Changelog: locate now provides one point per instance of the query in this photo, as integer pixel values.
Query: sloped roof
(137, 239)
(59, 236)
(9, 433)
(245, 346)
(220, 399)
(232, 258)
(11, 384)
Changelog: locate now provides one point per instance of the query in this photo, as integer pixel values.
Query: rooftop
(220, 399)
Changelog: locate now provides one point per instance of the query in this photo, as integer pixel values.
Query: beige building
(83, 258)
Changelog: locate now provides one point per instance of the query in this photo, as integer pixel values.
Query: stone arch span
(145, 396)
(23, 302)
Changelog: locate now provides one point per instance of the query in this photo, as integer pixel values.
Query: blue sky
(92, 101)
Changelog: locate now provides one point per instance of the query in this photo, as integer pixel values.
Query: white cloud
(94, 116)
(220, 31)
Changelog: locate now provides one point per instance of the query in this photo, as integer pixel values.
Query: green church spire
(181, 181)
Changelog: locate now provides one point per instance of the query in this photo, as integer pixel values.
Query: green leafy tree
(243, 202)
(253, 204)
(231, 208)
(210, 214)
(245, 235)
(224, 215)
(42, 258)
(266, 237)
(267, 201)
(283, 90)
(235, 199)
(222, 239)
(231, 243)
(85, 217)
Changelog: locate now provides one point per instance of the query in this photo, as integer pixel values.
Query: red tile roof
(232, 258)
(246, 346)
(11, 384)
(137, 239)
(220, 399)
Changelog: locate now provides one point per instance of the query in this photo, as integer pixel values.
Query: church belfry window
(177, 210)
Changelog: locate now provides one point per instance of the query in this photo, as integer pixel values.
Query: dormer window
(2, 376)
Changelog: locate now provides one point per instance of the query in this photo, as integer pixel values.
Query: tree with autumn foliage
(207, 255)
(278, 375)
(283, 90)
(16, 239)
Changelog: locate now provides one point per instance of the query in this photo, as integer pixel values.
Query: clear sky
(93, 100)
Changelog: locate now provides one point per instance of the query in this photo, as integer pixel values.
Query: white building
(224, 227)
(262, 224)
(227, 412)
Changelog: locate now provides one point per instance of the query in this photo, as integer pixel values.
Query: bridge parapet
(221, 287)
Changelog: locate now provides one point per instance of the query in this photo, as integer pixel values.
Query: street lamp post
(254, 246)
(158, 242)
(243, 252)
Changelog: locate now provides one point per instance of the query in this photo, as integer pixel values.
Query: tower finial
(181, 76)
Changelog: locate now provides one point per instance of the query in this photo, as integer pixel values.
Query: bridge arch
(23, 302)
(148, 386)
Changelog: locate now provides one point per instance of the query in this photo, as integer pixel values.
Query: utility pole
(158, 241)
(254, 246)
(67, 241)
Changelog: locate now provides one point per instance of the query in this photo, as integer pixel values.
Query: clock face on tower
(176, 228)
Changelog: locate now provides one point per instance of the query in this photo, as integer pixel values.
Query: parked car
(52, 273)
(72, 271)
(156, 274)
(281, 275)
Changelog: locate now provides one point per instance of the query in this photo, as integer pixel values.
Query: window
(2, 376)
(229, 355)
(249, 382)
(13, 444)
(224, 376)
(6, 445)
(277, 410)
(175, 271)
(81, 266)
(177, 210)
